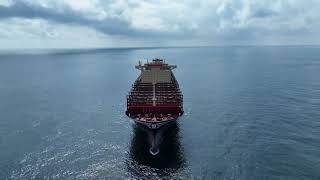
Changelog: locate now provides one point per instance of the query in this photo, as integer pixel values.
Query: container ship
(155, 98)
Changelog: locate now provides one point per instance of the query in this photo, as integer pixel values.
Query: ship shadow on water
(170, 155)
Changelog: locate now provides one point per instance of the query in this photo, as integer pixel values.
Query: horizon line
(152, 47)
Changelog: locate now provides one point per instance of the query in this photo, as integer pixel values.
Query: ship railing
(166, 84)
(132, 96)
(139, 86)
(141, 98)
(172, 98)
(157, 103)
(169, 100)
(141, 92)
(142, 85)
(169, 97)
(173, 87)
(147, 87)
(140, 95)
(169, 104)
(140, 101)
(159, 86)
(168, 91)
(142, 88)
(139, 104)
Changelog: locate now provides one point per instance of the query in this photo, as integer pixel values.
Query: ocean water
(250, 113)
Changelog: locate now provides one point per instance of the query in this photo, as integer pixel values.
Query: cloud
(116, 17)
(172, 22)
(64, 14)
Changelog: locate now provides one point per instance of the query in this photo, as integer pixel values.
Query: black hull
(171, 153)
(156, 136)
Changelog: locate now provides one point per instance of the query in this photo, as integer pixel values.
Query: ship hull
(155, 100)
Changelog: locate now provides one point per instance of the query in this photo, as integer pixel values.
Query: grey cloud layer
(23, 9)
(113, 24)
(219, 20)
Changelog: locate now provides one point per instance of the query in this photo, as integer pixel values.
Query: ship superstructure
(155, 98)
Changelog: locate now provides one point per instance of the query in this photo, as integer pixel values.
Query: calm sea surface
(250, 113)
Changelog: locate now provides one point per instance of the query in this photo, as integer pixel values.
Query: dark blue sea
(250, 113)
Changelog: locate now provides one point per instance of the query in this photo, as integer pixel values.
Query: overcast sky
(133, 23)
